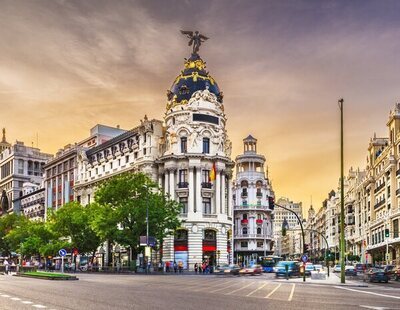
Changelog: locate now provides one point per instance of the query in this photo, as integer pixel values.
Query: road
(96, 291)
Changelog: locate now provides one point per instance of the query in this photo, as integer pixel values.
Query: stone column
(198, 202)
(191, 191)
(217, 208)
(230, 209)
(223, 198)
(172, 184)
(166, 182)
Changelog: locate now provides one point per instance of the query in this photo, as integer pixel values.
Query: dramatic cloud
(67, 65)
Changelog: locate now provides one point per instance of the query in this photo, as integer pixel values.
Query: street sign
(304, 258)
(62, 252)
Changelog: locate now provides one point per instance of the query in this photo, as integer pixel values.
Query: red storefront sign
(180, 247)
(209, 248)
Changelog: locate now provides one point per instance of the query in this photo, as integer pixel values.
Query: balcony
(209, 216)
(380, 187)
(244, 222)
(206, 185)
(259, 222)
(244, 194)
(183, 185)
(252, 207)
(249, 236)
(379, 204)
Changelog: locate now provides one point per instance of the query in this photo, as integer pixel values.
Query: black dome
(192, 79)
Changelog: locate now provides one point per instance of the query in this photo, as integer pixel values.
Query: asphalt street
(96, 291)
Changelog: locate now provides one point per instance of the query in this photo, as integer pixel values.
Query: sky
(282, 65)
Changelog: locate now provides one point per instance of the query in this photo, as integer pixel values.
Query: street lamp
(342, 242)
(117, 249)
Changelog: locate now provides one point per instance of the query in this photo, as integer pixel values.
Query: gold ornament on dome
(199, 64)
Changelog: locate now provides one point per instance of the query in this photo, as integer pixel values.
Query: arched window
(259, 231)
(244, 183)
(210, 234)
(244, 231)
(245, 216)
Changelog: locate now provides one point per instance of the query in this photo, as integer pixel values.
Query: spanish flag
(213, 173)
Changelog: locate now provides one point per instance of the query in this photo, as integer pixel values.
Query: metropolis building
(187, 154)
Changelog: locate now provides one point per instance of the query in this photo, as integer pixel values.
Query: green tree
(73, 222)
(8, 223)
(120, 210)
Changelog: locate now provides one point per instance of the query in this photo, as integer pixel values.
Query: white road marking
(374, 308)
(273, 291)
(213, 285)
(6, 296)
(27, 302)
(240, 288)
(39, 306)
(257, 289)
(364, 292)
(15, 298)
(222, 288)
(292, 292)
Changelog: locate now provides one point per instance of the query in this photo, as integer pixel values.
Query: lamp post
(302, 231)
(118, 250)
(342, 242)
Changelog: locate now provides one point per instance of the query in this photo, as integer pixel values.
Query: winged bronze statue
(196, 39)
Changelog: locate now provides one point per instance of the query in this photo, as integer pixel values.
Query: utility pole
(342, 242)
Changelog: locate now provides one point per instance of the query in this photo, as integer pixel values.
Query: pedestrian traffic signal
(387, 234)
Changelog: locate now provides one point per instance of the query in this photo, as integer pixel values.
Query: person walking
(204, 266)
(175, 267)
(6, 266)
(167, 263)
(180, 266)
(195, 268)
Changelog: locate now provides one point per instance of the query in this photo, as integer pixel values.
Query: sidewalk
(333, 279)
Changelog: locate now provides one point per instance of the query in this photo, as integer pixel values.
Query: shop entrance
(210, 247)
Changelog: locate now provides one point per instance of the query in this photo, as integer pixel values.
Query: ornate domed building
(195, 167)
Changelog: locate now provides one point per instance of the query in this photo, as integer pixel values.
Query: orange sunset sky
(282, 65)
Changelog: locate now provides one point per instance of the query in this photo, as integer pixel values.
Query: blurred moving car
(252, 270)
(293, 269)
(376, 275)
(318, 268)
(389, 269)
(336, 268)
(396, 273)
(226, 269)
(309, 268)
(350, 271)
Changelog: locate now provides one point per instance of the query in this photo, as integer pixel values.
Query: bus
(268, 262)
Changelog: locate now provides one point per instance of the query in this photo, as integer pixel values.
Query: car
(376, 275)
(293, 269)
(336, 268)
(350, 271)
(252, 270)
(389, 269)
(226, 269)
(318, 268)
(361, 268)
(309, 268)
(396, 273)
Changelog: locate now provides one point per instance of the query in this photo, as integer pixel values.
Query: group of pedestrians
(203, 268)
(173, 266)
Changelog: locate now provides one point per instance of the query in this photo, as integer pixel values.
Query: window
(144, 151)
(183, 145)
(244, 231)
(111, 165)
(206, 145)
(206, 205)
(245, 216)
(210, 235)
(260, 244)
(183, 175)
(126, 159)
(184, 202)
(259, 231)
(205, 176)
(259, 217)
(21, 166)
(243, 244)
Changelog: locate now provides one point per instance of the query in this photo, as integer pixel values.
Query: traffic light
(271, 202)
(387, 233)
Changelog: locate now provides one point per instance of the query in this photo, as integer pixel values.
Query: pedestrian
(175, 267)
(180, 266)
(167, 266)
(6, 265)
(203, 267)
(195, 268)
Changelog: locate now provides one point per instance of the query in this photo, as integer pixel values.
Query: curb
(327, 284)
(48, 278)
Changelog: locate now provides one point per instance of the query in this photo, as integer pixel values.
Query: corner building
(195, 168)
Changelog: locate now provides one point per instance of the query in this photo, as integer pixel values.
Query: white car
(318, 268)
(336, 268)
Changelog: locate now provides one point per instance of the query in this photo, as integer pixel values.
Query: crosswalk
(243, 287)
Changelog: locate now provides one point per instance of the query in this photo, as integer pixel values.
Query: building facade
(252, 197)
(280, 215)
(19, 164)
